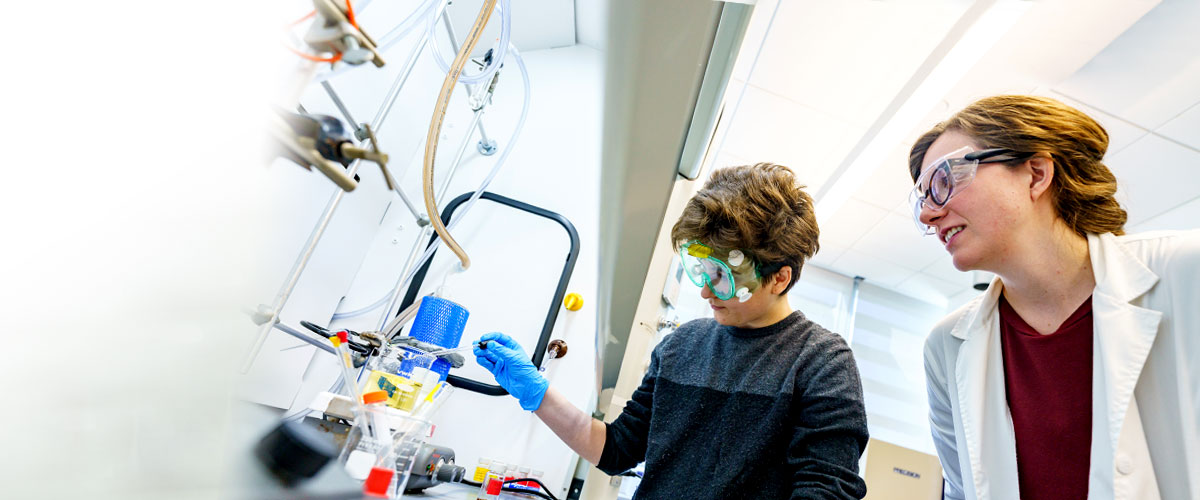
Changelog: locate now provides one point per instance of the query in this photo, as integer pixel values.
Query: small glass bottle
(481, 469)
(493, 484)
(369, 438)
(523, 473)
(536, 474)
(510, 473)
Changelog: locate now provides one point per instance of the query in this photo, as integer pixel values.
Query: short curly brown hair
(1083, 187)
(761, 209)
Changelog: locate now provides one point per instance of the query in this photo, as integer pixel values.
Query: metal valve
(557, 349)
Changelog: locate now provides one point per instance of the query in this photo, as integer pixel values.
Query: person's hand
(512, 369)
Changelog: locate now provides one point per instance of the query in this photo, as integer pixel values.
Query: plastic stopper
(375, 397)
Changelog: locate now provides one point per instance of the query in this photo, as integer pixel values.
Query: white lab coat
(1145, 378)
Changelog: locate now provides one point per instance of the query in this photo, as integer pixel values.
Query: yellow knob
(573, 302)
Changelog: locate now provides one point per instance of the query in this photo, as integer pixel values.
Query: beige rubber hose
(435, 129)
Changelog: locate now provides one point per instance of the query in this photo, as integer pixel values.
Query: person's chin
(722, 316)
(964, 261)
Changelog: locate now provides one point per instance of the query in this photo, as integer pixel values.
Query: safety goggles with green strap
(728, 273)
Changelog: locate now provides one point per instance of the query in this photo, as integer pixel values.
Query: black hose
(547, 495)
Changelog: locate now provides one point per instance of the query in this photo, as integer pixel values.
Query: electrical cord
(543, 494)
(547, 493)
(529, 492)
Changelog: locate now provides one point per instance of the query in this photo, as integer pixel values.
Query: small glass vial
(523, 473)
(493, 484)
(481, 469)
(369, 439)
(536, 474)
(510, 473)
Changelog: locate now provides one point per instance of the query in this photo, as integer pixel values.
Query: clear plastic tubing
(497, 54)
(424, 12)
(512, 141)
(495, 169)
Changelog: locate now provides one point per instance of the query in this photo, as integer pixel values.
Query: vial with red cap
(493, 484)
(380, 481)
(369, 442)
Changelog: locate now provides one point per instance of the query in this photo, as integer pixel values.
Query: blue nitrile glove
(512, 369)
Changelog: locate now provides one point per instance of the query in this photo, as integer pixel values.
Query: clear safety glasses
(705, 269)
(949, 175)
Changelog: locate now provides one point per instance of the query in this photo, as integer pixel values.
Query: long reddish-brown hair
(1082, 188)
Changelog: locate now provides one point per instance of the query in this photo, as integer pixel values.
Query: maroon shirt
(1048, 384)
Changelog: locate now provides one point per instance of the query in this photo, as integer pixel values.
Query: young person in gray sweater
(757, 402)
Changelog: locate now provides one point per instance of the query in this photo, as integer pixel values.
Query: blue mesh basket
(442, 368)
(440, 322)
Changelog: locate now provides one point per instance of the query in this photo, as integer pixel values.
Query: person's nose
(706, 292)
(931, 213)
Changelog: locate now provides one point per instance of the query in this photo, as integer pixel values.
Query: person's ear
(780, 280)
(1041, 168)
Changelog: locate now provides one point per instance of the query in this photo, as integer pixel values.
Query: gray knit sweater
(725, 413)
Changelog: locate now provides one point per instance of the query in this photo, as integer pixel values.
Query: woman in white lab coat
(1077, 373)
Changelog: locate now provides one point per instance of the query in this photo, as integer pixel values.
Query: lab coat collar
(980, 310)
(1118, 274)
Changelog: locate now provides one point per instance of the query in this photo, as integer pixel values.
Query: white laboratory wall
(590, 18)
(823, 296)
(889, 341)
(517, 258)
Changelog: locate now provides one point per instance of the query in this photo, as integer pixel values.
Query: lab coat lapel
(1124, 334)
(979, 378)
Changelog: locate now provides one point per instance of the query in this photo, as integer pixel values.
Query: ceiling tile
(1148, 74)
(727, 159)
(767, 127)
(809, 52)
(849, 224)
(1155, 175)
(828, 254)
(1186, 216)
(895, 239)
(1184, 128)
(875, 270)
(890, 184)
(1121, 133)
